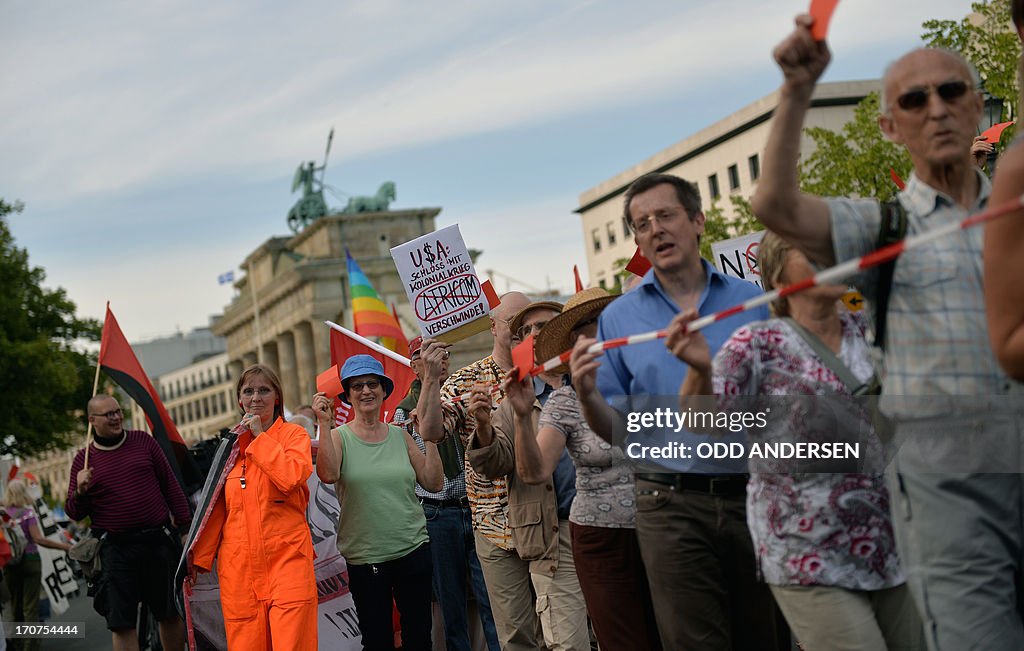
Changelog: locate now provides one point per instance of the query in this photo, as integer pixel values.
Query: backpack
(15, 537)
(892, 230)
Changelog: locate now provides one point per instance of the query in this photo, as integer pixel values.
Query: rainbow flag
(370, 317)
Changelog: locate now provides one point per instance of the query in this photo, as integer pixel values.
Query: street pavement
(80, 610)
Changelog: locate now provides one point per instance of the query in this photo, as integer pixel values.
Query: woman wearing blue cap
(381, 532)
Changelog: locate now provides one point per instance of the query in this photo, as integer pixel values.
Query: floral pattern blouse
(811, 528)
(604, 477)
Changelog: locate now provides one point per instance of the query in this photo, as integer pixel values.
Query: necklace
(113, 446)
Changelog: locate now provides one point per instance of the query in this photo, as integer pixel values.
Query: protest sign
(442, 286)
(737, 257)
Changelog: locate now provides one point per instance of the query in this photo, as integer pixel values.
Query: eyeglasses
(916, 99)
(263, 392)
(110, 414)
(526, 330)
(357, 387)
(644, 226)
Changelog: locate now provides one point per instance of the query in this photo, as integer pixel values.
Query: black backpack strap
(893, 229)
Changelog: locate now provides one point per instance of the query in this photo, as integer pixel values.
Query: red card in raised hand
(492, 296)
(522, 358)
(638, 264)
(821, 11)
(329, 382)
(995, 132)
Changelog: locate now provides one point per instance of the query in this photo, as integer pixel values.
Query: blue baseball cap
(364, 365)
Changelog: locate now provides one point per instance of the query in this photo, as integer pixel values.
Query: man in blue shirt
(691, 513)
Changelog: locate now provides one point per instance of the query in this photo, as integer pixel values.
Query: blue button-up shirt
(644, 377)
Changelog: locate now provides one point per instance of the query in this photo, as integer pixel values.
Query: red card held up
(995, 132)
(821, 11)
(329, 382)
(522, 358)
(492, 296)
(896, 179)
(638, 264)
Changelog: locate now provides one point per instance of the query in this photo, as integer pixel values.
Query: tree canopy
(45, 376)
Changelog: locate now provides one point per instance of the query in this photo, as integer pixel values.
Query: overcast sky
(154, 143)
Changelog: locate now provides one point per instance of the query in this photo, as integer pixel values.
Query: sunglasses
(533, 328)
(916, 99)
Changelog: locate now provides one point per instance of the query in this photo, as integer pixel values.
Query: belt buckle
(714, 482)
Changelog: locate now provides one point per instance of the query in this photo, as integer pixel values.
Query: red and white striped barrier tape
(827, 276)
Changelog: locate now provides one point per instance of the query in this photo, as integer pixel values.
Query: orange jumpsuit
(261, 539)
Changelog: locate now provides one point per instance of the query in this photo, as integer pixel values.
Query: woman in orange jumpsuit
(254, 524)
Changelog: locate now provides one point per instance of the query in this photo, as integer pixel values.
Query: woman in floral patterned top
(824, 540)
(602, 518)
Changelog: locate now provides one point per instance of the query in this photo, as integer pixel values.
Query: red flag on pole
(638, 264)
(118, 361)
(579, 283)
(343, 347)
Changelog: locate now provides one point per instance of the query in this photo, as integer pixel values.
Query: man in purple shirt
(129, 491)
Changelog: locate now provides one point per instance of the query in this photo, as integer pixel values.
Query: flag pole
(366, 342)
(88, 429)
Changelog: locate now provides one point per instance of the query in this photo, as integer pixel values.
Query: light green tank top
(381, 519)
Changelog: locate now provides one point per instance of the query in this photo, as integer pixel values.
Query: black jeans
(407, 580)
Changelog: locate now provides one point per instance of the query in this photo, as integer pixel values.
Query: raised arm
(603, 420)
(328, 457)
(778, 203)
(427, 464)
(536, 453)
(287, 462)
(429, 413)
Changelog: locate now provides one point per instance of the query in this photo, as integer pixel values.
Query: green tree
(718, 227)
(45, 378)
(986, 39)
(856, 161)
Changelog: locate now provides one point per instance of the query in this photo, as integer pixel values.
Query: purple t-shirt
(25, 515)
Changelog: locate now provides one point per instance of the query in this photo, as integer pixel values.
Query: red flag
(343, 347)
(579, 283)
(522, 358)
(118, 361)
(399, 345)
(896, 179)
(638, 264)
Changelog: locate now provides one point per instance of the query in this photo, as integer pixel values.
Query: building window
(206, 407)
(596, 235)
(755, 167)
(603, 284)
(625, 228)
(713, 191)
(223, 404)
(734, 178)
(611, 233)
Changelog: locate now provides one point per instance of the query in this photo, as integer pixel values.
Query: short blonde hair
(772, 253)
(17, 494)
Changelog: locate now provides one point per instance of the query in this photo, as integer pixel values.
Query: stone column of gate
(321, 345)
(288, 371)
(305, 360)
(270, 356)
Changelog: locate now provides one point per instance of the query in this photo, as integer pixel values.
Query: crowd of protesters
(519, 492)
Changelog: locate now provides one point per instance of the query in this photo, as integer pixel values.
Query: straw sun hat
(554, 339)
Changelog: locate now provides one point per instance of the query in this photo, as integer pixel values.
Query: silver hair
(883, 104)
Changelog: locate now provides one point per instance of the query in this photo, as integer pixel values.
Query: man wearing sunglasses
(955, 481)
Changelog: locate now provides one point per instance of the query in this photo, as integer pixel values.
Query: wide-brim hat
(517, 320)
(554, 339)
(364, 365)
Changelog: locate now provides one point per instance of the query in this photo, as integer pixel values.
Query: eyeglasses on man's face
(357, 387)
(645, 225)
(262, 392)
(916, 98)
(528, 329)
(110, 414)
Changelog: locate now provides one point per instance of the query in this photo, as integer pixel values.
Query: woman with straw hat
(603, 514)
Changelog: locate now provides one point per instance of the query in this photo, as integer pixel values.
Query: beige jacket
(532, 509)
